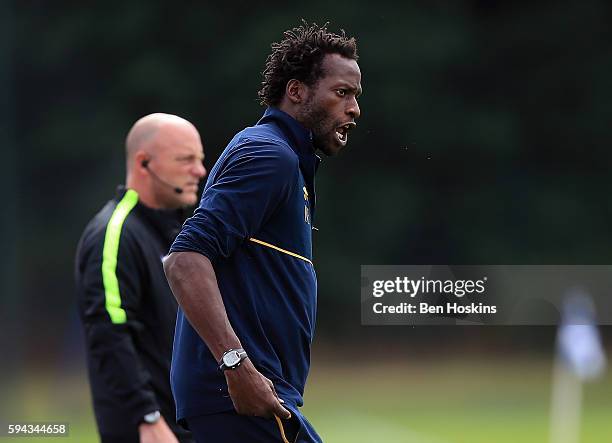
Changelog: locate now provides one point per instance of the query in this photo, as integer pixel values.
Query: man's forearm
(194, 284)
(193, 281)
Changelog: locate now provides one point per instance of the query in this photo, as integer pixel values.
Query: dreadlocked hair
(300, 56)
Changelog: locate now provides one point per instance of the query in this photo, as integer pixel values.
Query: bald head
(164, 152)
(142, 136)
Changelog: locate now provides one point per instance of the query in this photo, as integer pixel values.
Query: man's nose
(353, 109)
(200, 170)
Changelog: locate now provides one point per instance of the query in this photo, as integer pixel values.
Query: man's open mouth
(342, 131)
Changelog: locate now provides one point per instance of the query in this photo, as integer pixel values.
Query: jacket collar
(300, 138)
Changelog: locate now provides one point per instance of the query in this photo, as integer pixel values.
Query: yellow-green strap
(110, 253)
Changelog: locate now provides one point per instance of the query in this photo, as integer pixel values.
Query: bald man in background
(125, 304)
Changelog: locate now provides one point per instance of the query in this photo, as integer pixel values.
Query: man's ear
(141, 161)
(296, 91)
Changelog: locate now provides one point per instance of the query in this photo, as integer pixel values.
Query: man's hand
(158, 432)
(252, 393)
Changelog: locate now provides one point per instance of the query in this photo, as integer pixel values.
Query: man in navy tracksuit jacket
(241, 268)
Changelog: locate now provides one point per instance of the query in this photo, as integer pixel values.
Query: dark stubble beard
(318, 120)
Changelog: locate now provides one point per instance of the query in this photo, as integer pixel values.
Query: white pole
(566, 405)
(579, 358)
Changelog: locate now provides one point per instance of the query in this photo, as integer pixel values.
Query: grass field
(436, 401)
(446, 402)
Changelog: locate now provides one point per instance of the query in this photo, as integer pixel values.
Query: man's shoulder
(264, 133)
(124, 225)
(97, 224)
(265, 142)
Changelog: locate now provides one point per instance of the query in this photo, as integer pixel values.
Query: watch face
(231, 359)
(152, 417)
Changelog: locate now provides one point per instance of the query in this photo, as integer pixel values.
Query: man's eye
(341, 92)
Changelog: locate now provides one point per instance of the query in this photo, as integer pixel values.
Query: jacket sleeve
(109, 286)
(253, 181)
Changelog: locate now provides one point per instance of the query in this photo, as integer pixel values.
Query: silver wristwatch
(232, 359)
(151, 418)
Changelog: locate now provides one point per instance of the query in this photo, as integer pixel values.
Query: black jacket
(128, 312)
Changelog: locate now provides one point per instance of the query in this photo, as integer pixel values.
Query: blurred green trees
(483, 139)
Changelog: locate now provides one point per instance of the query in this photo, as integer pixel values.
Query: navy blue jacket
(254, 224)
